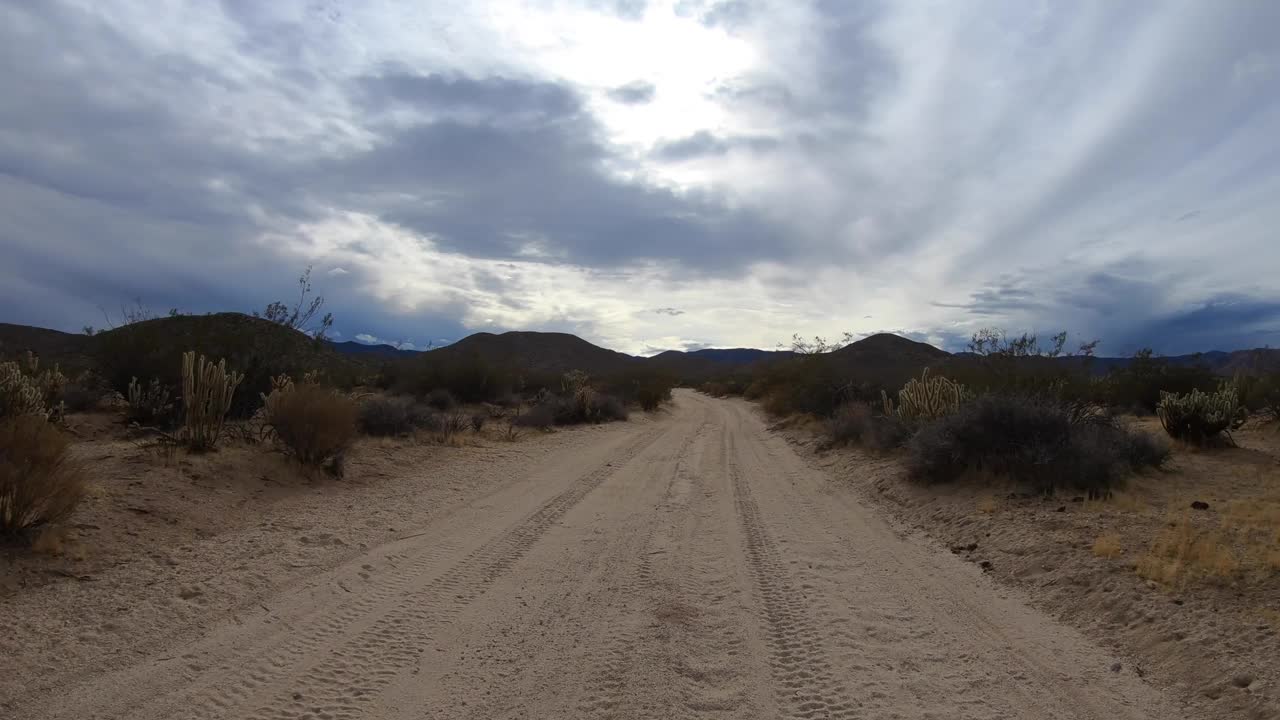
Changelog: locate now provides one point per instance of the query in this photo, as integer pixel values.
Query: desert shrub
(714, 389)
(1137, 385)
(478, 420)
(1036, 441)
(80, 397)
(440, 399)
(315, 424)
(645, 387)
(754, 390)
(39, 483)
(1142, 449)
(449, 424)
(859, 423)
(1201, 417)
(257, 349)
(469, 379)
(150, 404)
(541, 416)
(207, 391)
(383, 416)
(926, 398)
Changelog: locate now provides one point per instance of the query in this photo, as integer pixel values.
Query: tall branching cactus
(207, 390)
(926, 398)
(1200, 416)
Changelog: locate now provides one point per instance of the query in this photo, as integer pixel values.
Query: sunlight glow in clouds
(755, 168)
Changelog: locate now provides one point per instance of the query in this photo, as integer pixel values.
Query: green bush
(1200, 417)
(1039, 442)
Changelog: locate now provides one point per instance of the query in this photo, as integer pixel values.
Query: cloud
(703, 144)
(633, 93)
(809, 166)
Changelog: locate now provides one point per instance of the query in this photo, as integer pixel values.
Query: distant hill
(71, 351)
(350, 347)
(727, 356)
(887, 359)
(536, 351)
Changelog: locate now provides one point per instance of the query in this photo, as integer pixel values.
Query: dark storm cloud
(633, 93)
(486, 185)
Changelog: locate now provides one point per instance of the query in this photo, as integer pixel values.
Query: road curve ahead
(692, 567)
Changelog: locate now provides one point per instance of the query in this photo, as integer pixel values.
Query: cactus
(926, 398)
(1201, 417)
(207, 390)
(148, 403)
(19, 394)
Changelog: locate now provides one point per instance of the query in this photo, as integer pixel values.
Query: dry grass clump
(39, 483)
(1183, 552)
(1108, 545)
(315, 424)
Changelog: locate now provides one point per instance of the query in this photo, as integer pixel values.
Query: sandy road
(689, 568)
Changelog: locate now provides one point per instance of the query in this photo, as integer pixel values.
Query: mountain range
(557, 352)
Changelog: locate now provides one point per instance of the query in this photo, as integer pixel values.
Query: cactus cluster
(148, 403)
(1200, 416)
(926, 398)
(207, 390)
(19, 394)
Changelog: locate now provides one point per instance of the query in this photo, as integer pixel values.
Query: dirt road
(693, 567)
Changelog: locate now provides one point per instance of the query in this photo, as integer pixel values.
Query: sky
(650, 175)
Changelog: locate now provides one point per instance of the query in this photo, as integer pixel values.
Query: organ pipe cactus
(207, 390)
(926, 398)
(1199, 416)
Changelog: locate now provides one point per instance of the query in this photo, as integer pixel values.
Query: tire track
(704, 642)
(336, 683)
(605, 694)
(805, 683)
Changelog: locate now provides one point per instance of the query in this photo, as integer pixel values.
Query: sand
(691, 566)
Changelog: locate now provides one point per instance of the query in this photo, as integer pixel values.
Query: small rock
(1178, 601)
(971, 547)
(297, 696)
(1199, 505)
(985, 564)
(190, 592)
(1115, 667)
(1078, 499)
(1242, 680)
(1062, 508)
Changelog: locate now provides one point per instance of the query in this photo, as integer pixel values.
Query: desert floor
(687, 564)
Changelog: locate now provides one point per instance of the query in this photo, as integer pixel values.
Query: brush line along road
(687, 567)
